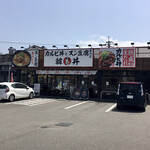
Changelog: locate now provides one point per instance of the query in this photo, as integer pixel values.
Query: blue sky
(71, 22)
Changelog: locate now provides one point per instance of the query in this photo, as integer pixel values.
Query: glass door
(66, 85)
(51, 84)
(42, 79)
(58, 86)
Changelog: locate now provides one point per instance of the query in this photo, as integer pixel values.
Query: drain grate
(64, 124)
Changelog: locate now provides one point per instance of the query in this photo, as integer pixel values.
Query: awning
(67, 72)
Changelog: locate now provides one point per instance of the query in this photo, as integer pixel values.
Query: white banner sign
(117, 57)
(37, 87)
(34, 58)
(68, 58)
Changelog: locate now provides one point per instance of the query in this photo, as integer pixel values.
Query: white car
(15, 90)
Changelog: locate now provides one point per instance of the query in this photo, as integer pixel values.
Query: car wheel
(11, 98)
(143, 109)
(118, 106)
(31, 95)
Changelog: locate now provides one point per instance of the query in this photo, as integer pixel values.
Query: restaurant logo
(67, 60)
(21, 59)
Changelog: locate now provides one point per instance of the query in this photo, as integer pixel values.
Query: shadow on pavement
(128, 109)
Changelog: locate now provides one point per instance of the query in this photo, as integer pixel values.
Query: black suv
(131, 94)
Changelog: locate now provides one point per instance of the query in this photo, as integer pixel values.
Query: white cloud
(95, 40)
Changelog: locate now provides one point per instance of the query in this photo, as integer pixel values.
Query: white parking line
(75, 105)
(32, 102)
(111, 108)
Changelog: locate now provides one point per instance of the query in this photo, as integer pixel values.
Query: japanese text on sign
(34, 58)
(128, 57)
(117, 57)
(68, 58)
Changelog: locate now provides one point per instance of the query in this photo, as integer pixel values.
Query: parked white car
(15, 90)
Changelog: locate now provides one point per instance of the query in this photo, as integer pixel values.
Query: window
(19, 86)
(3, 86)
(130, 87)
(24, 76)
(13, 85)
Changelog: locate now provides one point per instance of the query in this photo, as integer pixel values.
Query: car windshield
(130, 87)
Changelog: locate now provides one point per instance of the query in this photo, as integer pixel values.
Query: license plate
(129, 96)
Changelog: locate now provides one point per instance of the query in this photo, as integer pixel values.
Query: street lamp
(54, 46)
(90, 45)
(132, 44)
(43, 47)
(102, 45)
(66, 46)
(148, 43)
(116, 44)
(77, 46)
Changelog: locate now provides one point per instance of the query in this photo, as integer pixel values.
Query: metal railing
(107, 93)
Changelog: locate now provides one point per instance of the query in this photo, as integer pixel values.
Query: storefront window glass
(51, 82)
(59, 83)
(42, 79)
(31, 77)
(110, 83)
(24, 76)
(92, 86)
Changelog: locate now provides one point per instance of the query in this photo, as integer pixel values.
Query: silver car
(15, 90)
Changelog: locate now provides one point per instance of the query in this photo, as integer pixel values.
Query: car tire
(143, 109)
(11, 98)
(31, 95)
(118, 107)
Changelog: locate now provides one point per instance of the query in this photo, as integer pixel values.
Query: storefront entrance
(56, 85)
(64, 85)
(60, 85)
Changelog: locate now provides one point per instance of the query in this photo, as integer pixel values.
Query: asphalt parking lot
(54, 124)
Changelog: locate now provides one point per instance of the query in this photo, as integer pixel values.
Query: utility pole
(9, 72)
(108, 42)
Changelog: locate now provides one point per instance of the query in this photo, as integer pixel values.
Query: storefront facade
(59, 72)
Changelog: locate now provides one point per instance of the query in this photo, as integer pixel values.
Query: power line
(8, 42)
(25, 43)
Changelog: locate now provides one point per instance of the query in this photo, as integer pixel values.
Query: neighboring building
(5, 66)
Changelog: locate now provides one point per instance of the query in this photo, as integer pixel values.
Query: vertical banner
(12, 78)
(34, 58)
(117, 57)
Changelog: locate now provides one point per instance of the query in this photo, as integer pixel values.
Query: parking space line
(75, 105)
(40, 103)
(111, 108)
(31, 102)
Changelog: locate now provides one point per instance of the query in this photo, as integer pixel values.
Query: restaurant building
(82, 73)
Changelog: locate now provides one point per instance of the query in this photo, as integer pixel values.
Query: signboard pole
(9, 72)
